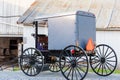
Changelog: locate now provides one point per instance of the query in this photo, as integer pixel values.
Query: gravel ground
(47, 75)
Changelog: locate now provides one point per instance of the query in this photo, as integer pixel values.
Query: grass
(115, 72)
(16, 69)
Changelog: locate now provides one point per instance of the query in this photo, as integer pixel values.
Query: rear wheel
(54, 66)
(31, 61)
(104, 61)
(73, 63)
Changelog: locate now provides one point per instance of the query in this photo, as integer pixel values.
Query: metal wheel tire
(73, 63)
(104, 61)
(31, 61)
(54, 67)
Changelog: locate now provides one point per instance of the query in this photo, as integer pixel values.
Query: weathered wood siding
(10, 11)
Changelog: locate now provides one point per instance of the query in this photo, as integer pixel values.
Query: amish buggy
(69, 47)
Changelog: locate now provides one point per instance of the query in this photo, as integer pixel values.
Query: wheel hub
(102, 60)
(53, 59)
(32, 62)
(73, 63)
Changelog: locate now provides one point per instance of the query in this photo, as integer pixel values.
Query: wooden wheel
(31, 61)
(54, 67)
(104, 61)
(75, 63)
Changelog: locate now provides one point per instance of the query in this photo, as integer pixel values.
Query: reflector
(72, 51)
(90, 45)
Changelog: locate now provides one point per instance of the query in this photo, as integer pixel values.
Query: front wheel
(73, 63)
(31, 61)
(104, 61)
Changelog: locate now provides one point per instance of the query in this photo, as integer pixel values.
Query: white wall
(111, 38)
(29, 40)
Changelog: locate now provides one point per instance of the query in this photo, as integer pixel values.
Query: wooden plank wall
(10, 12)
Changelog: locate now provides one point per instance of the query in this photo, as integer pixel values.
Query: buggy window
(43, 41)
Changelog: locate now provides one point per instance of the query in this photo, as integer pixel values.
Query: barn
(107, 14)
(10, 32)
